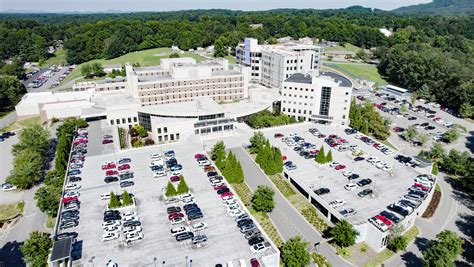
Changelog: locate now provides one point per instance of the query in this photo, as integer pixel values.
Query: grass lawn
(347, 47)
(20, 124)
(231, 59)
(58, 59)
(8, 211)
(149, 57)
(50, 221)
(358, 71)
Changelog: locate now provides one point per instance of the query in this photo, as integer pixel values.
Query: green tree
(182, 186)
(174, 55)
(218, 154)
(466, 110)
(320, 260)
(220, 47)
(257, 140)
(27, 169)
(126, 199)
(239, 173)
(170, 190)
(86, 70)
(397, 243)
(344, 234)
(262, 199)
(362, 55)
(36, 249)
(11, 91)
(15, 68)
(329, 156)
(444, 250)
(34, 138)
(278, 158)
(140, 130)
(437, 151)
(321, 157)
(47, 199)
(97, 69)
(114, 201)
(434, 169)
(424, 92)
(294, 253)
(451, 135)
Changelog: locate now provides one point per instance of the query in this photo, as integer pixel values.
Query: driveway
(285, 217)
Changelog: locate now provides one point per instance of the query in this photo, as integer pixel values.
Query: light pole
(92, 260)
(190, 263)
(163, 263)
(154, 261)
(186, 258)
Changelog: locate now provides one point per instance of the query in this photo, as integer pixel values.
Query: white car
(185, 196)
(334, 164)
(199, 226)
(424, 182)
(235, 213)
(227, 198)
(203, 162)
(128, 214)
(159, 173)
(387, 167)
(131, 230)
(72, 187)
(188, 201)
(379, 164)
(176, 172)
(372, 159)
(351, 186)
(8, 187)
(260, 247)
(178, 230)
(129, 218)
(177, 221)
(158, 162)
(108, 236)
(230, 202)
(347, 173)
(111, 228)
(105, 196)
(134, 237)
(155, 156)
(379, 224)
(110, 224)
(232, 208)
(337, 203)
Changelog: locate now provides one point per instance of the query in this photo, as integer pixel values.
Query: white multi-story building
(272, 64)
(324, 97)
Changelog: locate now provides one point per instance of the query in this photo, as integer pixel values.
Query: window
(166, 138)
(160, 139)
(134, 119)
(111, 122)
(325, 101)
(347, 93)
(165, 130)
(177, 136)
(118, 121)
(129, 120)
(123, 120)
(159, 130)
(172, 137)
(343, 116)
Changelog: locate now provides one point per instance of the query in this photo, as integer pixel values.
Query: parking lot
(388, 186)
(47, 84)
(225, 242)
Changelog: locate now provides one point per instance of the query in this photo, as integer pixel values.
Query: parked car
(348, 212)
(364, 182)
(365, 192)
(126, 184)
(322, 191)
(184, 236)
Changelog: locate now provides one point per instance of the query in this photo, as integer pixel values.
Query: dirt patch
(431, 209)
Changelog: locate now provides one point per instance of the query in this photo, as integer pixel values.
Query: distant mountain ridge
(439, 7)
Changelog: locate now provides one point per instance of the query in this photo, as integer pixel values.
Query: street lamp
(154, 261)
(186, 258)
(92, 260)
(163, 263)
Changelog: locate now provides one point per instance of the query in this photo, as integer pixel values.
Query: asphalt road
(285, 217)
(8, 119)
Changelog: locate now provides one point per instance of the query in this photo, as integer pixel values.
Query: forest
(434, 52)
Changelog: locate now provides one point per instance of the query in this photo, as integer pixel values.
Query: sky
(167, 5)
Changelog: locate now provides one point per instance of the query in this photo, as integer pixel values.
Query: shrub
(36, 249)
(114, 201)
(344, 234)
(321, 157)
(329, 156)
(397, 243)
(182, 186)
(170, 190)
(262, 199)
(294, 253)
(126, 199)
(320, 260)
(434, 169)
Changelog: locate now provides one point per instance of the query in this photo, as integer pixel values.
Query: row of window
(301, 96)
(124, 121)
(293, 61)
(294, 68)
(164, 138)
(298, 103)
(299, 111)
(174, 95)
(198, 86)
(156, 73)
(151, 101)
(214, 129)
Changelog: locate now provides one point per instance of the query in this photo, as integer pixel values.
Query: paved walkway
(285, 217)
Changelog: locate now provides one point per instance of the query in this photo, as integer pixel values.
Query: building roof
(197, 107)
(343, 81)
(61, 249)
(300, 78)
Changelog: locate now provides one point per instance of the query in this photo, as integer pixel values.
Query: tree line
(268, 157)
(227, 163)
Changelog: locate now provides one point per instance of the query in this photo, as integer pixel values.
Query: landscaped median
(10, 211)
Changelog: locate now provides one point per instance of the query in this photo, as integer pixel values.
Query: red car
(315, 152)
(437, 119)
(384, 220)
(254, 263)
(321, 136)
(284, 158)
(69, 199)
(124, 167)
(108, 166)
(111, 172)
(332, 136)
(107, 141)
(227, 194)
(80, 141)
(198, 156)
(333, 144)
(175, 215)
(174, 178)
(423, 187)
(340, 167)
(278, 135)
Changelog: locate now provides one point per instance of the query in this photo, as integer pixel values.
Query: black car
(70, 212)
(223, 190)
(112, 217)
(365, 192)
(193, 210)
(359, 158)
(419, 193)
(408, 203)
(211, 174)
(74, 172)
(107, 212)
(256, 240)
(322, 191)
(392, 217)
(195, 216)
(184, 236)
(124, 160)
(171, 162)
(398, 210)
(74, 179)
(66, 235)
(70, 217)
(156, 168)
(353, 176)
(364, 182)
(111, 179)
(173, 210)
(131, 223)
(126, 184)
(429, 128)
(244, 222)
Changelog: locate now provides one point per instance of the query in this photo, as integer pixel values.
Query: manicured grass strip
(58, 59)
(358, 71)
(21, 124)
(245, 194)
(9, 211)
(50, 221)
(285, 188)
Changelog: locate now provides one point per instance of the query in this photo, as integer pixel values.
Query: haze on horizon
(160, 5)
